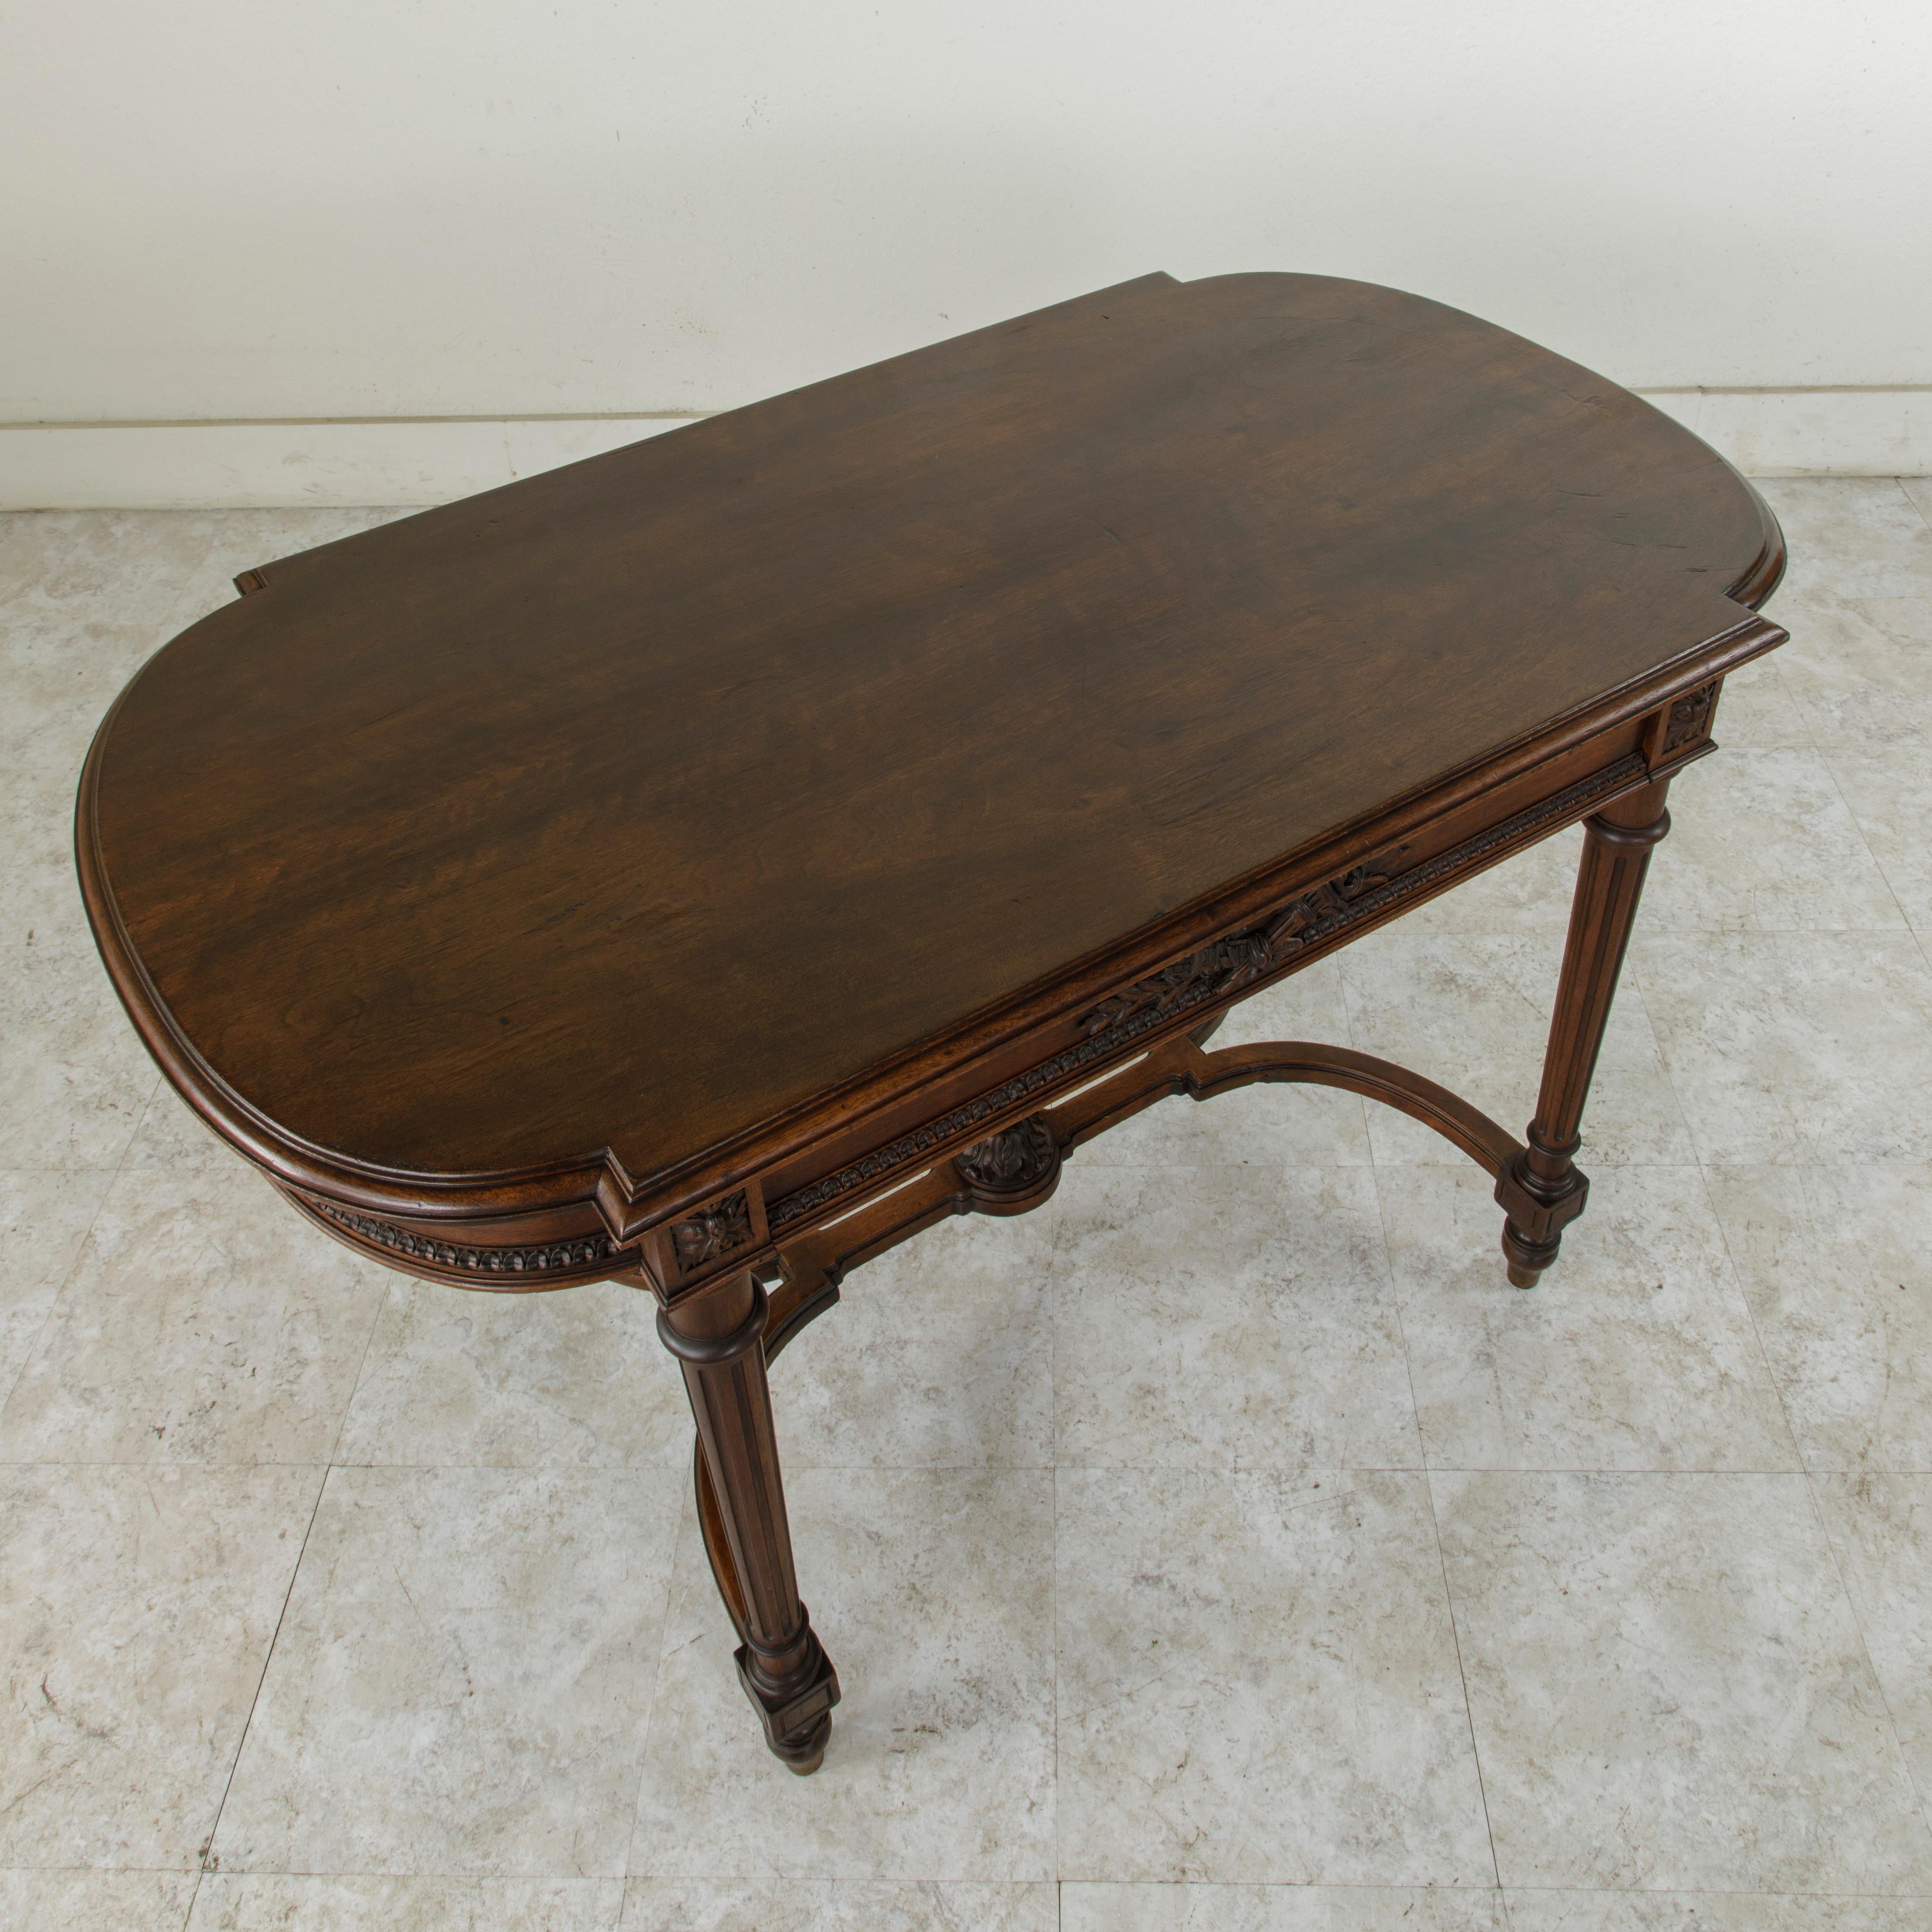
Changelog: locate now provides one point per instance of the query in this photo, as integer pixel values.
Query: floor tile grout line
(254, 1702)
(1057, 1233)
(1349, 1040)
(80, 1251)
(1053, 1638)
(1630, 980)
(1811, 1477)
(1240, 1468)
(1831, 773)
(472, 1876)
(1703, 1162)
(329, 1458)
(657, 1679)
(1922, 939)
(1702, 1166)
(1647, 1472)
(100, 1208)
(689, 1493)
(1754, 929)
(1922, 1800)
(1436, 1531)
(328, 1469)
(1708, 1890)
(1750, 1315)
(1799, 711)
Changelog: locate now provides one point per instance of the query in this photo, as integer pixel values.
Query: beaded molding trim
(580, 1252)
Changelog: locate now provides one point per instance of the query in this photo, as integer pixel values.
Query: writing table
(707, 865)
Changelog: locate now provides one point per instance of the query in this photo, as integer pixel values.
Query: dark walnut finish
(708, 864)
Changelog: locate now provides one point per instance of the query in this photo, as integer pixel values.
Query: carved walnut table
(710, 864)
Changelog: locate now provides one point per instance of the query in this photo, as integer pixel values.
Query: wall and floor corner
(250, 465)
(368, 254)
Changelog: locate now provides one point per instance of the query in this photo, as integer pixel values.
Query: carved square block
(725, 1234)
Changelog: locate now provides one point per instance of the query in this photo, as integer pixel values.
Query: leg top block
(1537, 1213)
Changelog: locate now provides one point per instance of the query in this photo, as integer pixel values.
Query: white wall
(373, 208)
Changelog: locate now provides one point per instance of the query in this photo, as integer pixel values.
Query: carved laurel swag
(1219, 967)
(1224, 965)
(714, 1231)
(582, 1251)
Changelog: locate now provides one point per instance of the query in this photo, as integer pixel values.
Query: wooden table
(706, 866)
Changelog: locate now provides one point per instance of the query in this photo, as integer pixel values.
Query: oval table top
(614, 816)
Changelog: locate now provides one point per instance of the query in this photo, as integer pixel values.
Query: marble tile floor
(1225, 1547)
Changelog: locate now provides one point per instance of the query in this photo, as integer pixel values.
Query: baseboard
(274, 465)
(1846, 432)
(239, 466)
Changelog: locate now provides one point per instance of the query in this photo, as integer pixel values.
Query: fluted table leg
(718, 1339)
(1542, 1189)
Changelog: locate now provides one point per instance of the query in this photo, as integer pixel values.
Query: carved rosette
(1015, 1162)
(715, 1230)
(1690, 718)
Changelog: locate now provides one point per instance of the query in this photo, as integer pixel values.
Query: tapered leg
(718, 1338)
(1542, 1189)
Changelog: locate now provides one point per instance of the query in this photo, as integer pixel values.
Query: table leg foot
(796, 1712)
(1524, 1261)
(1536, 1211)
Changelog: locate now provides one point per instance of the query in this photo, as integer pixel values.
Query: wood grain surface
(597, 823)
